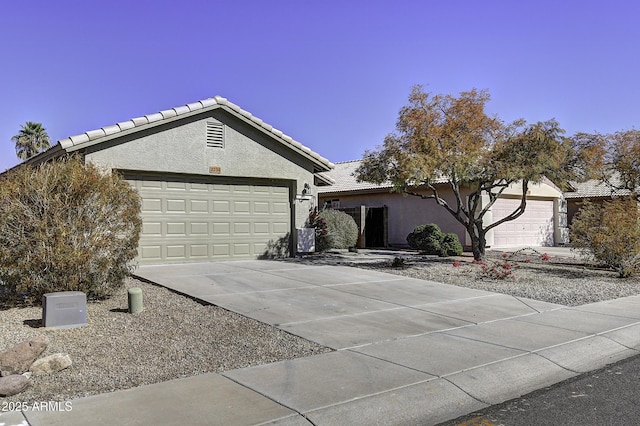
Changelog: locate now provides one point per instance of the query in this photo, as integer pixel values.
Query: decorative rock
(13, 384)
(18, 359)
(50, 364)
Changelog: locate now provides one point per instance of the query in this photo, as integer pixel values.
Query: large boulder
(18, 359)
(50, 364)
(13, 384)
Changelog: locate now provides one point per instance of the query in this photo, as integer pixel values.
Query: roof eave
(323, 180)
(379, 190)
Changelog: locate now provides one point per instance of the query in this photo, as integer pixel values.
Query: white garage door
(533, 228)
(190, 220)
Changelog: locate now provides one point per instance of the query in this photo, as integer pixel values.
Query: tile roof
(345, 181)
(91, 137)
(593, 189)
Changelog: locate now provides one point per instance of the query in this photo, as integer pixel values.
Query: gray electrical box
(64, 309)
(306, 240)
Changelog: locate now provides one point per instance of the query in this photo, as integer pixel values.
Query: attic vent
(215, 135)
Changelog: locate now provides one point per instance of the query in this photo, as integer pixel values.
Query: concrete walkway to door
(407, 351)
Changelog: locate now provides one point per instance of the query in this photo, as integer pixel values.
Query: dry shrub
(65, 226)
(339, 230)
(609, 233)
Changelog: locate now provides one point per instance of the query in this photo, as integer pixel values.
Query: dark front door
(374, 227)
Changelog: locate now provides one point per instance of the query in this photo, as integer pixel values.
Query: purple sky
(331, 74)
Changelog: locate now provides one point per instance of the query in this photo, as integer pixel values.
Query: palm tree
(30, 140)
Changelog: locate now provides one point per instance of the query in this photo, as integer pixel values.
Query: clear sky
(331, 74)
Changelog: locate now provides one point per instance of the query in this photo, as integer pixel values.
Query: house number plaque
(215, 170)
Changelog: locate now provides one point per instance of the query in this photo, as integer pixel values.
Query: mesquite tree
(443, 139)
(611, 158)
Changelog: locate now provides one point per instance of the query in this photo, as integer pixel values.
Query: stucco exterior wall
(407, 212)
(180, 147)
(542, 190)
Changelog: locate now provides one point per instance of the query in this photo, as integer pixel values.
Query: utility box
(64, 309)
(306, 240)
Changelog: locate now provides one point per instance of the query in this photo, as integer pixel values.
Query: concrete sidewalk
(407, 351)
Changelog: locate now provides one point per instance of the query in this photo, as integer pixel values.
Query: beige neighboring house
(216, 182)
(386, 218)
(592, 190)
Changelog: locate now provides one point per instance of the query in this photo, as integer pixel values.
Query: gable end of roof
(92, 137)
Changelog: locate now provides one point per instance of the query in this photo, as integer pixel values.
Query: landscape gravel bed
(567, 281)
(173, 337)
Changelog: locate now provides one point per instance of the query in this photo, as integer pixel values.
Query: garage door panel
(241, 228)
(176, 186)
(195, 221)
(221, 228)
(280, 208)
(221, 250)
(151, 228)
(150, 184)
(150, 252)
(199, 228)
(199, 206)
(280, 227)
(261, 228)
(241, 249)
(176, 252)
(176, 206)
(151, 205)
(198, 251)
(261, 207)
(198, 187)
(241, 207)
(179, 228)
(220, 206)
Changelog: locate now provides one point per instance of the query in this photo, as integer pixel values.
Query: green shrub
(609, 234)
(341, 230)
(450, 245)
(431, 240)
(65, 226)
(426, 238)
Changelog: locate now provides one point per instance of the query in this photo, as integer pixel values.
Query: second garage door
(533, 228)
(190, 219)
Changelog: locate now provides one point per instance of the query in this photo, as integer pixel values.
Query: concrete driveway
(338, 306)
(407, 350)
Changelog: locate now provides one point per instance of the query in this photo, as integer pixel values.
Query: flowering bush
(505, 266)
(321, 231)
(498, 270)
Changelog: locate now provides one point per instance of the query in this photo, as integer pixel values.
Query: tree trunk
(478, 242)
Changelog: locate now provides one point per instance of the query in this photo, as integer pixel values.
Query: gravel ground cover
(176, 336)
(173, 337)
(564, 280)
